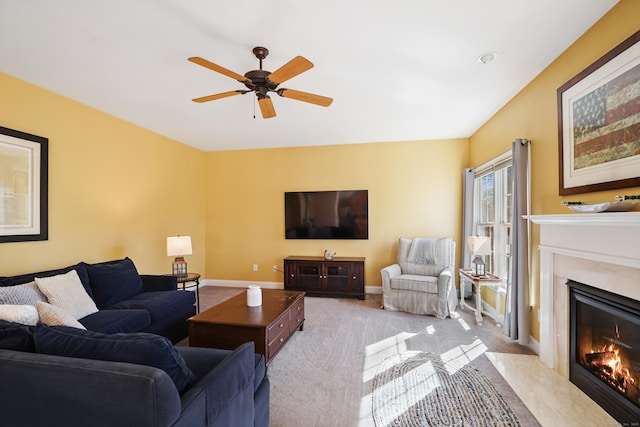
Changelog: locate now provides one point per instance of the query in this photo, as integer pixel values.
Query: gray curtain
(516, 323)
(468, 175)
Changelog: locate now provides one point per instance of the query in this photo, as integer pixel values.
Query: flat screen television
(326, 214)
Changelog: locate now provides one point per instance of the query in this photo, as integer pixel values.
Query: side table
(478, 282)
(191, 277)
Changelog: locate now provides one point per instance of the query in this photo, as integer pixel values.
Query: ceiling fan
(262, 82)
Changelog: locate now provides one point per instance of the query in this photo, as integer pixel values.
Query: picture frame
(24, 168)
(599, 123)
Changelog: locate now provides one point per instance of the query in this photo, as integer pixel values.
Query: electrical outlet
(275, 268)
(255, 267)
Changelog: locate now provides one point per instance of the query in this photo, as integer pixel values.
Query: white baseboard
(268, 285)
(241, 284)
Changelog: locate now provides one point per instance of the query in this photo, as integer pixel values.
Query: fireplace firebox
(604, 342)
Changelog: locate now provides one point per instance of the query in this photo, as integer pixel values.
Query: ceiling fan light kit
(261, 82)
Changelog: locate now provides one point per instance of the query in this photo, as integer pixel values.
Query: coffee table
(232, 323)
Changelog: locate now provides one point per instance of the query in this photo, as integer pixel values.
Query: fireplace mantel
(600, 249)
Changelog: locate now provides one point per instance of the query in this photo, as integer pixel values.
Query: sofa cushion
(117, 321)
(15, 336)
(416, 283)
(55, 316)
(137, 348)
(24, 314)
(25, 294)
(114, 281)
(66, 291)
(161, 305)
(30, 277)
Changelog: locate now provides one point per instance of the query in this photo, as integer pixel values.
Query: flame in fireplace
(607, 364)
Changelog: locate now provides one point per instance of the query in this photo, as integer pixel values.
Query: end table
(191, 277)
(478, 282)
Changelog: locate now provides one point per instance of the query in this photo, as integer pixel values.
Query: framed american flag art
(599, 123)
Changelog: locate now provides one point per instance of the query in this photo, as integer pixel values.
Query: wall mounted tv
(326, 214)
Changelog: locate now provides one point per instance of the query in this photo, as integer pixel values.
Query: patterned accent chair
(423, 280)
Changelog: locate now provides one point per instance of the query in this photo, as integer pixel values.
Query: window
(492, 213)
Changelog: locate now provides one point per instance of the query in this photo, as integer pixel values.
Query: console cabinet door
(305, 276)
(338, 276)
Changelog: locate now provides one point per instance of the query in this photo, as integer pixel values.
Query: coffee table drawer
(275, 329)
(296, 316)
(277, 342)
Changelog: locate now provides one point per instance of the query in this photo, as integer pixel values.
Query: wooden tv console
(317, 276)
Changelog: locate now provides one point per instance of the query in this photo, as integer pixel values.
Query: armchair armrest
(447, 292)
(157, 282)
(389, 273)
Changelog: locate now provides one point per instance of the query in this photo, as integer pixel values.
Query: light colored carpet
(324, 374)
(419, 389)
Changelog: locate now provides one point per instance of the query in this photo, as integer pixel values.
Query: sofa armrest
(40, 389)
(389, 273)
(229, 388)
(157, 282)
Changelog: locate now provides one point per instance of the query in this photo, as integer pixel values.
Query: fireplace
(599, 249)
(604, 339)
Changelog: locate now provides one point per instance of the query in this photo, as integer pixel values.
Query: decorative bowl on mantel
(622, 204)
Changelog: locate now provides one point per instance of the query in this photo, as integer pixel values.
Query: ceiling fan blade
(306, 97)
(219, 96)
(266, 107)
(217, 68)
(289, 70)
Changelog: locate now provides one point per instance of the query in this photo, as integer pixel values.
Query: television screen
(326, 214)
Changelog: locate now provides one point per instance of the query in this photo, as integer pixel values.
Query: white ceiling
(397, 70)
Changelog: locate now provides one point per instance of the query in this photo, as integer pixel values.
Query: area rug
(420, 389)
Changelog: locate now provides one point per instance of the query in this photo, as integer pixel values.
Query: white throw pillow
(25, 294)
(56, 316)
(25, 314)
(66, 291)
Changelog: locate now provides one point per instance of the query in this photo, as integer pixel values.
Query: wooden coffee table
(232, 323)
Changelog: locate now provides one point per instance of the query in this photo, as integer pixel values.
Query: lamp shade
(179, 246)
(479, 245)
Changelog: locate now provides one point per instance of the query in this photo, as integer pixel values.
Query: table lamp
(479, 246)
(179, 246)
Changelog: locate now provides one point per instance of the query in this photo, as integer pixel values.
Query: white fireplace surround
(599, 249)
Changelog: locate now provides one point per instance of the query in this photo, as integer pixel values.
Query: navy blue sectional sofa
(124, 370)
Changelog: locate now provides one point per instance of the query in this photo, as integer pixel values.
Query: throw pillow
(24, 314)
(114, 281)
(25, 294)
(56, 316)
(139, 348)
(17, 337)
(66, 291)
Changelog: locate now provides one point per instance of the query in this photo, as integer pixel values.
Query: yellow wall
(532, 114)
(115, 189)
(414, 190)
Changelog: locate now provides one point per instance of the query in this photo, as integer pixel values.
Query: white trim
(499, 162)
(620, 219)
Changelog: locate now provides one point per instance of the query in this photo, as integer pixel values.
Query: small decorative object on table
(622, 204)
(254, 296)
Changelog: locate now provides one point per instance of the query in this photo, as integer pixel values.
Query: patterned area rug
(419, 389)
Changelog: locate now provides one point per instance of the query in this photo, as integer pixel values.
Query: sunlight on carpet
(422, 389)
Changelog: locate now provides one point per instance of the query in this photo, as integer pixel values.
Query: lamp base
(179, 267)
